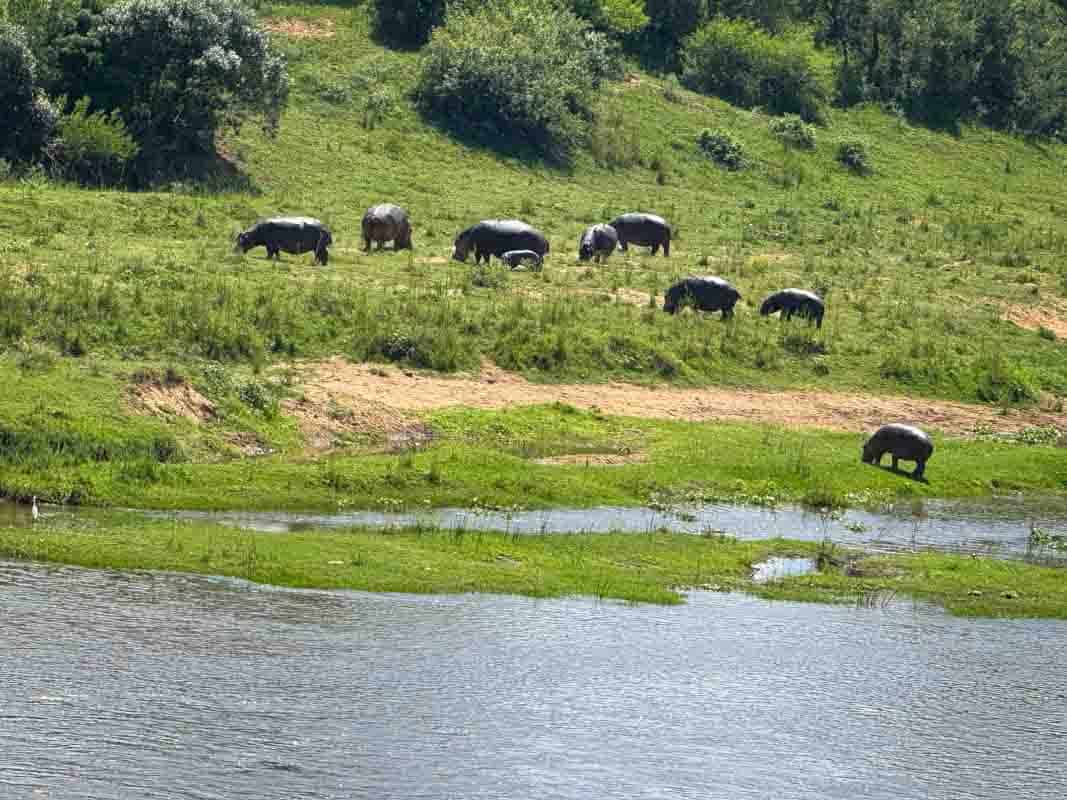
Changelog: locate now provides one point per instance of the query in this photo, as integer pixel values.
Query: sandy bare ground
(362, 387)
(300, 28)
(1034, 318)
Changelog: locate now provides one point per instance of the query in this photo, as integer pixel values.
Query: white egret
(34, 512)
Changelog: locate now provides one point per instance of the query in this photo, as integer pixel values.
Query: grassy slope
(916, 262)
(642, 568)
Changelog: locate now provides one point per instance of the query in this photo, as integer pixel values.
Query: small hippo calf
(707, 293)
(902, 442)
(795, 301)
(516, 258)
(292, 234)
(598, 243)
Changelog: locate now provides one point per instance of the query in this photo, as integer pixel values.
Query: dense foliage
(744, 64)
(406, 23)
(28, 117)
(519, 74)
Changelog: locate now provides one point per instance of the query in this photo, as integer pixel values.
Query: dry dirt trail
(369, 391)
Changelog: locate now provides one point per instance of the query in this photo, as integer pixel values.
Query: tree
(613, 16)
(28, 117)
(178, 71)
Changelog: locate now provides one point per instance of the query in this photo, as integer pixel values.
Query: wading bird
(33, 509)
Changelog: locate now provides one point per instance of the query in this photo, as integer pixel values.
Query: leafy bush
(177, 71)
(614, 16)
(515, 74)
(28, 118)
(92, 147)
(749, 67)
(406, 23)
(853, 154)
(792, 131)
(723, 149)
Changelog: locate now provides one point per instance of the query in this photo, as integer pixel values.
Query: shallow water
(990, 526)
(160, 686)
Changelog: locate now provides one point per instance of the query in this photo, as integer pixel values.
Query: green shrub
(406, 23)
(28, 118)
(178, 71)
(998, 381)
(92, 147)
(723, 149)
(853, 154)
(515, 75)
(749, 67)
(792, 131)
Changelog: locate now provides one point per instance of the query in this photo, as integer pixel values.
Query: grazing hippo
(387, 223)
(494, 237)
(292, 234)
(643, 229)
(516, 258)
(901, 441)
(705, 293)
(795, 301)
(598, 243)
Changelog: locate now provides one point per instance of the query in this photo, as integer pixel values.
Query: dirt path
(362, 386)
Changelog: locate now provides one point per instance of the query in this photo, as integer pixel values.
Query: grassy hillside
(919, 263)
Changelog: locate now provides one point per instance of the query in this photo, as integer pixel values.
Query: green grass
(649, 568)
(916, 262)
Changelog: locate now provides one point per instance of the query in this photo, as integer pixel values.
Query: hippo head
(242, 243)
(769, 307)
(462, 247)
(585, 251)
(869, 453)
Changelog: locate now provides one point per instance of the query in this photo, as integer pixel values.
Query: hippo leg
(896, 461)
(727, 313)
(272, 252)
(818, 321)
(920, 470)
(655, 248)
(667, 248)
(622, 245)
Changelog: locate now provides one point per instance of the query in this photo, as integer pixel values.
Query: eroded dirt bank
(362, 387)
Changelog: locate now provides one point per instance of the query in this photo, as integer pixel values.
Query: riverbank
(652, 568)
(156, 438)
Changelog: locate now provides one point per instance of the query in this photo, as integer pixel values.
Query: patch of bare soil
(327, 421)
(301, 28)
(364, 387)
(171, 400)
(594, 459)
(1034, 318)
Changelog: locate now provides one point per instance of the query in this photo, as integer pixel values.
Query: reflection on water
(159, 686)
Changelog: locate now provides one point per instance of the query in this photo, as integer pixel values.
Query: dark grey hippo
(643, 229)
(292, 234)
(387, 223)
(902, 442)
(494, 237)
(795, 301)
(598, 243)
(706, 293)
(516, 258)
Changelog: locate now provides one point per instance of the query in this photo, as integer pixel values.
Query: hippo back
(903, 441)
(642, 228)
(497, 236)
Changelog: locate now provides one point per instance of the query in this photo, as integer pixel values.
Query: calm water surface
(140, 686)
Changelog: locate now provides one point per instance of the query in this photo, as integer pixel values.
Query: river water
(990, 526)
(153, 685)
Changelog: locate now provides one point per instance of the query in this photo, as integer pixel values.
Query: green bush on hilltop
(518, 74)
(28, 116)
(749, 67)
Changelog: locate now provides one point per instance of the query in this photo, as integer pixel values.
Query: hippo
(643, 229)
(494, 237)
(795, 301)
(384, 223)
(706, 293)
(902, 441)
(292, 234)
(598, 243)
(516, 258)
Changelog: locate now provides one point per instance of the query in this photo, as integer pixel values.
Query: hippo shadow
(902, 472)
